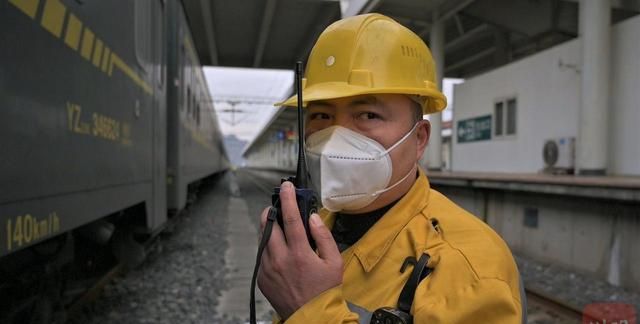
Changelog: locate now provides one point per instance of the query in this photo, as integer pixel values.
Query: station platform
(614, 188)
(601, 187)
(631, 182)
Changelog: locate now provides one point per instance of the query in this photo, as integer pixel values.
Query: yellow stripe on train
(93, 49)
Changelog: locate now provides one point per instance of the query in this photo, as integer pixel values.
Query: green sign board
(474, 129)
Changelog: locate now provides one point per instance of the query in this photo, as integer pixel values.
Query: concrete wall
(268, 154)
(590, 236)
(625, 99)
(548, 97)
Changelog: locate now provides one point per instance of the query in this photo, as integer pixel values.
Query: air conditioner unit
(559, 155)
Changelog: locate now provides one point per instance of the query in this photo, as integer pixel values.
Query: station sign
(474, 129)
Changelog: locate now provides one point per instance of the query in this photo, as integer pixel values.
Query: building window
(499, 118)
(505, 112)
(511, 116)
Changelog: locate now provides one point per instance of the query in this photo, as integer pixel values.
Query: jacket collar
(375, 243)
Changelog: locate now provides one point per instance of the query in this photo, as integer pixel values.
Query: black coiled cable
(266, 234)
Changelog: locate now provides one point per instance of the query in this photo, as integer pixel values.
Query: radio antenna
(301, 172)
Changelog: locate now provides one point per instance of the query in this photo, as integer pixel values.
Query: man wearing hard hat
(390, 249)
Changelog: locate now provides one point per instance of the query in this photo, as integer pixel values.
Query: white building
(544, 93)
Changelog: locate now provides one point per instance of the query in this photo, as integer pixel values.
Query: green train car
(105, 120)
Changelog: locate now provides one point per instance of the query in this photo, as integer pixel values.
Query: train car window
(158, 48)
(183, 77)
(190, 106)
(193, 106)
(198, 115)
(212, 109)
(188, 101)
(143, 25)
(193, 111)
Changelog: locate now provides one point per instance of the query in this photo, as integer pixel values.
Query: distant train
(105, 120)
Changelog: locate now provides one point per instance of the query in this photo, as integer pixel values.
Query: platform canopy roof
(480, 35)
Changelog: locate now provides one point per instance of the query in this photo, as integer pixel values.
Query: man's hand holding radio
(292, 273)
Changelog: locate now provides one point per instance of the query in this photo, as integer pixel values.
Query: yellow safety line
(119, 63)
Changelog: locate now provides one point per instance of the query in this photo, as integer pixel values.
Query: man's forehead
(391, 104)
(348, 101)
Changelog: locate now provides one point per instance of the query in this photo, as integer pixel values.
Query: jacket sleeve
(485, 301)
(328, 307)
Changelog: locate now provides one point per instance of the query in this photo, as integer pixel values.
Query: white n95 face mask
(348, 169)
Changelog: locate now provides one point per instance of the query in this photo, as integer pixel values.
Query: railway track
(559, 310)
(93, 292)
(88, 290)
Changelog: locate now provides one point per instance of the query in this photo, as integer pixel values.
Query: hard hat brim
(333, 90)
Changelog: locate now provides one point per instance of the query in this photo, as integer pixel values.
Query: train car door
(157, 213)
(160, 120)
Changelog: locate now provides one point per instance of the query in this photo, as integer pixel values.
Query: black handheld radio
(306, 197)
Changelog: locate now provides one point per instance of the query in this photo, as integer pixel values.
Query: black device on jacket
(402, 314)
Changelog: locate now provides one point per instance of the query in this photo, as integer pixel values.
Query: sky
(243, 98)
(447, 89)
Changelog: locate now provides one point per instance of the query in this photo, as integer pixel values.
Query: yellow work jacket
(474, 278)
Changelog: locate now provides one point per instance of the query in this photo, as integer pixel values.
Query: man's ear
(423, 131)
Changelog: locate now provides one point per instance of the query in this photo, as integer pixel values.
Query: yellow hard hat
(370, 54)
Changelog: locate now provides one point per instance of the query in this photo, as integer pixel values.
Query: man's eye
(319, 116)
(368, 116)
